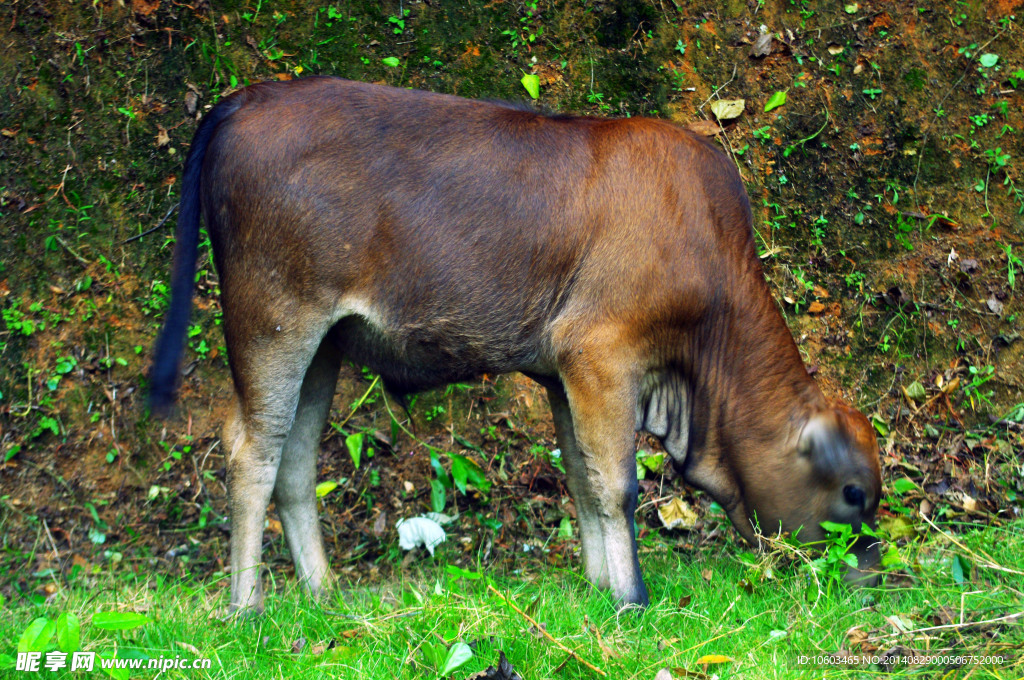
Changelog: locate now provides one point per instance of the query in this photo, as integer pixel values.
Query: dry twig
(546, 634)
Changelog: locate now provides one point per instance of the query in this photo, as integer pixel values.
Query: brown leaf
(815, 308)
(705, 128)
(762, 44)
(145, 7)
(162, 138)
(856, 636)
(380, 524)
(298, 645)
(707, 574)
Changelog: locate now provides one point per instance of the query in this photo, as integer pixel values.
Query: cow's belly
(415, 356)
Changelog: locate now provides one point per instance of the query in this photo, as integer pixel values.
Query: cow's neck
(739, 388)
(749, 382)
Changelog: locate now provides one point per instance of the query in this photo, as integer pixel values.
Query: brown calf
(434, 238)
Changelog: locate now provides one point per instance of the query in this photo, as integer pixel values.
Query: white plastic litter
(417, 531)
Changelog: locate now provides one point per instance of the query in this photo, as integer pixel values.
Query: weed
(978, 376)
(1013, 265)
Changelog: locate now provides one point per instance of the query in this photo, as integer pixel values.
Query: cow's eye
(854, 495)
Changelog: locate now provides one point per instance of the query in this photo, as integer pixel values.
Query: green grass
(762, 613)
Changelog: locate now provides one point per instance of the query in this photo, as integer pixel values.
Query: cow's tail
(163, 374)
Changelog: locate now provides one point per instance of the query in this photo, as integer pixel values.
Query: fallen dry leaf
(705, 128)
(762, 46)
(145, 7)
(727, 109)
(677, 514)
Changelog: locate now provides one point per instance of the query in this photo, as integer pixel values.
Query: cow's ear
(822, 441)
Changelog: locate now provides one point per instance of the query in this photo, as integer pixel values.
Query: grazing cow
(434, 238)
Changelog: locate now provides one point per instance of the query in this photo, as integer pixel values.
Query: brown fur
(434, 238)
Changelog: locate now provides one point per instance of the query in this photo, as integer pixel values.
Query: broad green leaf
(903, 485)
(433, 653)
(437, 495)
(988, 60)
(777, 100)
(442, 474)
(961, 569)
(7, 662)
(880, 425)
(69, 629)
(459, 654)
(119, 620)
(565, 528)
(532, 84)
(393, 62)
(841, 529)
(354, 444)
(891, 557)
(915, 391)
(114, 672)
(458, 572)
(37, 636)
(324, 488)
(654, 462)
(850, 559)
(958, 570)
(465, 471)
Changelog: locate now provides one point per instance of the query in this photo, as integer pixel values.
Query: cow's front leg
(603, 405)
(591, 537)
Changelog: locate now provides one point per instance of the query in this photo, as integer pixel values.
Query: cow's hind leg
(295, 489)
(591, 539)
(268, 370)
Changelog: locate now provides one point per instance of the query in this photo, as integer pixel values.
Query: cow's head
(826, 470)
(833, 475)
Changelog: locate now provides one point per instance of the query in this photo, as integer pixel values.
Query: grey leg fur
(603, 415)
(257, 434)
(295, 490)
(591, 539)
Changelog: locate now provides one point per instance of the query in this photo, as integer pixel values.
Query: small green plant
(1013, 266)
(837, 554)
(444, 660)
(399, 22)
(464, 473)
(18, 322)
(978, 376)
(904, 226)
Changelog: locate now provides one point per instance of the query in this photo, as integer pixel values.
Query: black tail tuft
(163, 374)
